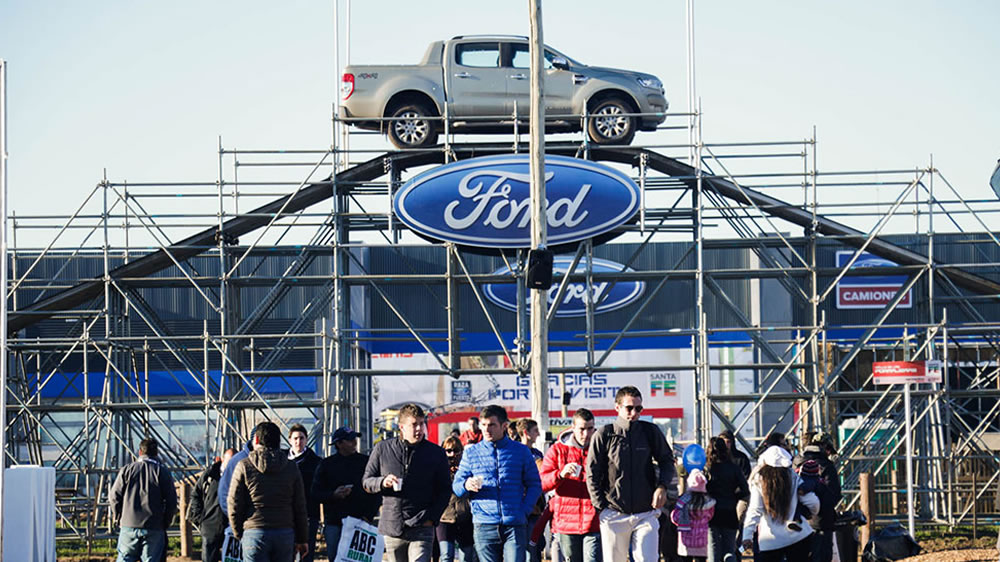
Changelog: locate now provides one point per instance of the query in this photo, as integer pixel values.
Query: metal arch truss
(80, 395)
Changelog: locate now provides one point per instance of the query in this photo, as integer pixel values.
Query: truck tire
(413, 129)
(609, 123)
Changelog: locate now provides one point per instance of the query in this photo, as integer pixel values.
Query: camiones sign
(485, 202)
(606, 295)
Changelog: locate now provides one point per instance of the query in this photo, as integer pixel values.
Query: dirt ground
(985, 554)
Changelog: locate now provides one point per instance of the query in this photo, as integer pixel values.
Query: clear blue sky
(144, 89)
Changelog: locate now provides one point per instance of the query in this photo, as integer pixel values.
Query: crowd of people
(488, 495)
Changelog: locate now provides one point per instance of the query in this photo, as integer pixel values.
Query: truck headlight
(650, 82)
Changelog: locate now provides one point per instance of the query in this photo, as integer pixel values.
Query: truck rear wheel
(609, 122)
(411, 127)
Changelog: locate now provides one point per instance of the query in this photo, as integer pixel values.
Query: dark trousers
(822, 550)
(797, 552)
(211, 544)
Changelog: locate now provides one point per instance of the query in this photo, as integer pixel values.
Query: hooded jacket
(510, 481)
(620, 471)
(774, 534)
(572, 511)
(267, 493)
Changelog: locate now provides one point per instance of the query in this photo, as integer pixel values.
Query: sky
(144, 90)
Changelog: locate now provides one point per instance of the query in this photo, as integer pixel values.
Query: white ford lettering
(501, 210)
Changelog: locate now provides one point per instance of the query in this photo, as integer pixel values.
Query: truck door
(558, 84)
(478, 84)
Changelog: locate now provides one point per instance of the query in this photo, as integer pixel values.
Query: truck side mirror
(560, 62)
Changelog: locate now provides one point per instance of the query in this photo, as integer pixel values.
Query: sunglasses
(451, 451)
(636, 409)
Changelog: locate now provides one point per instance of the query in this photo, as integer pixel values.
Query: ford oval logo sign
(606, 295)
(486, 201)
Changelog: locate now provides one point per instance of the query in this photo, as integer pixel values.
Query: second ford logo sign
(486, 202)
(606, 295)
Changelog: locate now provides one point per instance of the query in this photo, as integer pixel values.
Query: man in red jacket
(573, 516)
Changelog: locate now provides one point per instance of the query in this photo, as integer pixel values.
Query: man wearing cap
(819, 449)
(337, 484)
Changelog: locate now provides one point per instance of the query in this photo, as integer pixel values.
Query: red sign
(896, 372)
(870, 296)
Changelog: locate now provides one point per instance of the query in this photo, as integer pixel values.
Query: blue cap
(344, 433)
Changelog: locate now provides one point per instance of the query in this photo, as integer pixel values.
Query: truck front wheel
(411, 128)
(609, 122)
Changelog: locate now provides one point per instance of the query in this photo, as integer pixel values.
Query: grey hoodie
(267, 493)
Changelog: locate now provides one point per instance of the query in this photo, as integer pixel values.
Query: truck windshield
(521, 58)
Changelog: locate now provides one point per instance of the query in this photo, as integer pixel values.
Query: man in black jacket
(337, 485)
(627, 491)
(143, 502)
(307, 461)
(205, 512)
(819, 449)
(413, 478)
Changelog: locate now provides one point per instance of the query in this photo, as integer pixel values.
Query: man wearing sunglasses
(627, 490)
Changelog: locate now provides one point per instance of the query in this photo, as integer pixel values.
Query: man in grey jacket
(267, 501)
(143, 501)
(627, 490)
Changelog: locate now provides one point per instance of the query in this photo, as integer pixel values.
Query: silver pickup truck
(484, 80)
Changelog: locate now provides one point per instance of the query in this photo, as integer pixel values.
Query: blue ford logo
(606, 295)
(486, 201)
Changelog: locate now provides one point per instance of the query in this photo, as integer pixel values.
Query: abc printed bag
(359, 542)
(232, 551)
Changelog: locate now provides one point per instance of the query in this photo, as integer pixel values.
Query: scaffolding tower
(244, 294)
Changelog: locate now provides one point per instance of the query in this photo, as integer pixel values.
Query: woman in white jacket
(773, 498)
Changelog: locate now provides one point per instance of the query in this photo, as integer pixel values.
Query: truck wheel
(413, 129)
(609, 122)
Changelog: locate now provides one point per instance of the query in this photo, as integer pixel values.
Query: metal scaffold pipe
(539, 225)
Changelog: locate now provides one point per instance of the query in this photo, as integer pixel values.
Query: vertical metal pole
(909, 458)
(336, 86)
(3, 284)
(539, 225)
(692, 119)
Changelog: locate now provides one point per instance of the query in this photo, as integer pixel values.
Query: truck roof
(524, 37)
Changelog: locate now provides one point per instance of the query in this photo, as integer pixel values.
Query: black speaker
(540, 269)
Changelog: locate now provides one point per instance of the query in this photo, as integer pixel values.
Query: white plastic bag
(232, 551)
(359, 542)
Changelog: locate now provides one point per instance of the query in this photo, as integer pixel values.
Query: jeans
(634, 536)
(581, 548)
(452, 552)
(500, 543)
(822, 548)
(332, 535)
(416, 545)
(268, 545)
(146, 545)
(721, 541)
(211, 546)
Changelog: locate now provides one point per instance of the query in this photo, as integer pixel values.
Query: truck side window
(479, 55)
(521, 57)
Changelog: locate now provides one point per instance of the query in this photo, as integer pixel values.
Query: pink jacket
(692, 534)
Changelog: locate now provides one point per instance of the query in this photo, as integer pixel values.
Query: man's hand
(342, 492)
(389, 481)
(747, 545)
(659, 497)
(568, 470)
(302, 548)
(474, 483)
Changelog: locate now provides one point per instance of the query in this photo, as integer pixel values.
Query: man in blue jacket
(501, 478)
